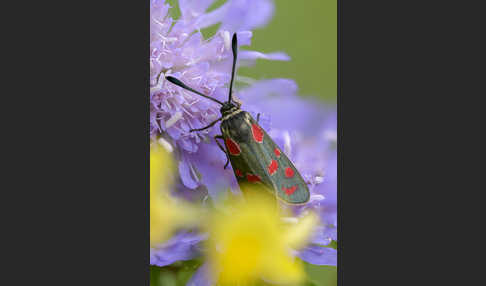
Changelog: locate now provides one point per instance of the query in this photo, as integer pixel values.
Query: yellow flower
(166, 213)
(250, 242)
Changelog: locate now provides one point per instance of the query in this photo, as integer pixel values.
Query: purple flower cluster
(178, 48)
(182, 246)
(303, 128)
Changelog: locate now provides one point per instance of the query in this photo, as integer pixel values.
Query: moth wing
(258, 162)
(248, 169)
(290, 186)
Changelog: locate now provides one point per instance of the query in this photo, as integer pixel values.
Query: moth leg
(210, 125)
(217, 142)
(258, 117)
(222, 149)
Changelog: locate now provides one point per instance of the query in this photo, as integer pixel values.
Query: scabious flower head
(250, 242)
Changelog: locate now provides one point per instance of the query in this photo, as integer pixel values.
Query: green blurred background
(307, 32)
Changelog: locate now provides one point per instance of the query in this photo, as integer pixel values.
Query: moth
(255, 158)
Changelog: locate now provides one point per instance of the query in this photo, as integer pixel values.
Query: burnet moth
(254, 156)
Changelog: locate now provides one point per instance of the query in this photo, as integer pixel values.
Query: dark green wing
(256, 159)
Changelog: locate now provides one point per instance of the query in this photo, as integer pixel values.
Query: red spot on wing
(272, 168)
(290, 190)
(277, 152)
(257, 133)
(233, 147)
(253, 178)
(239, 173)
(289, 172)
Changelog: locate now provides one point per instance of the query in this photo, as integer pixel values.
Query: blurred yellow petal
(166, 213)
(160, 214)
(250, 243)
(161, 167)
(297, 235)
(284, 270)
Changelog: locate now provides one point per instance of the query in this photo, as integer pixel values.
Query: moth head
(228, 108)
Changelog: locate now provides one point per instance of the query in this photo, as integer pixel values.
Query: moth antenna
(234, 47)
(181, 84)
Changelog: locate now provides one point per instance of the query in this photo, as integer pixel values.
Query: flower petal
(244, 38)
(209, 162)
(182, 246)
(279, 86)
(201, 277)
(193, 8)
(253, 55)
(323, 235)
(186, 174)
(299, 234)
(319, 255)
(237, 15)
(284, 270)
(277, 97)
(247, 14)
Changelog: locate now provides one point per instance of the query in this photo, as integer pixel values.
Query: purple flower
(319, 255)
(178, 48)
(182, 246)
(201, 277)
